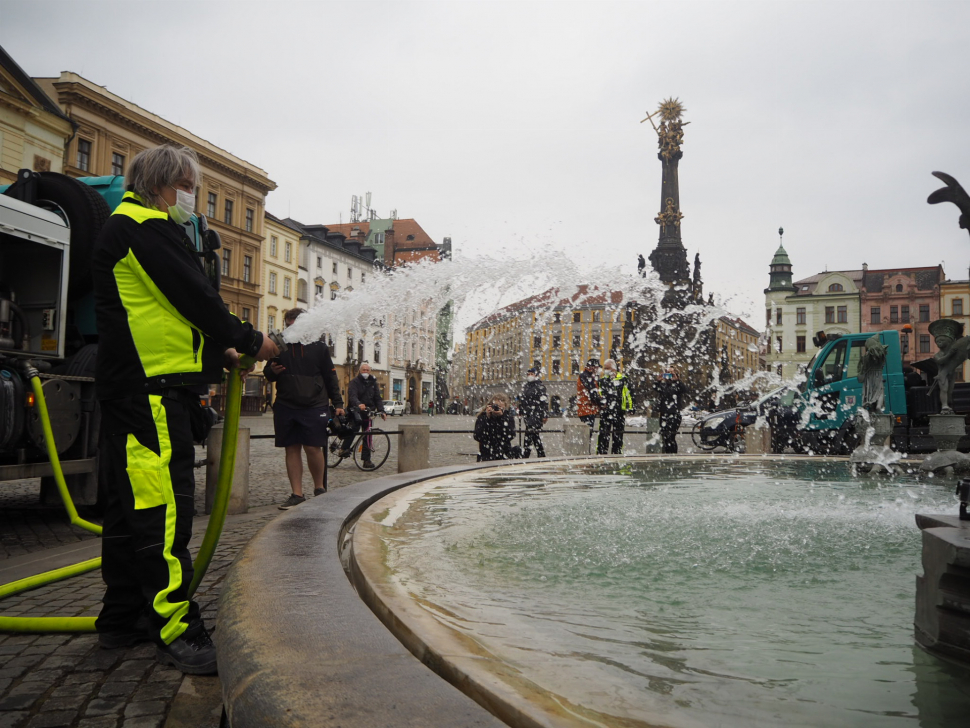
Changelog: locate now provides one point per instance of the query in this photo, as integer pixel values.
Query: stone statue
(870, 374)
(954, 350)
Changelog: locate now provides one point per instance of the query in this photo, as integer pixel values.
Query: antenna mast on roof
(354, 209)
(370, 212)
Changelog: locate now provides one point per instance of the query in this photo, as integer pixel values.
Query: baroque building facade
(955, 304)
(905, 299)
(231, 193)
(845, 302)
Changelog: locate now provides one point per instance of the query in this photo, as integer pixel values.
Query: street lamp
(906, 331)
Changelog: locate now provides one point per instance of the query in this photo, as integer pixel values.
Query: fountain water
(680, 593)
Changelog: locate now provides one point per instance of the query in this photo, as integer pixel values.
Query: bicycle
(375, 440)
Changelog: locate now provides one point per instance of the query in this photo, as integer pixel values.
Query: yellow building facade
(738, 342)
(33, 129)
(557, 337)
(279, 271)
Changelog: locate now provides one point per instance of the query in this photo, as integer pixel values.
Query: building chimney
(389, 247)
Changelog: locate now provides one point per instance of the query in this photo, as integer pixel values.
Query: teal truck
(48, 226)
(823, 408)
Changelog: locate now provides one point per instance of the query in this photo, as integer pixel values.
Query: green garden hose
(210, 540)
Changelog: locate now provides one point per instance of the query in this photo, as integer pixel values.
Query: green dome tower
(780, 269)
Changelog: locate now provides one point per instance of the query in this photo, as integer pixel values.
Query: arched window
(835, 288)
(377, 352)
(899, 288)
(301, 290)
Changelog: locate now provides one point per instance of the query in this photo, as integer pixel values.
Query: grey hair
(609, 364)
(162, 166)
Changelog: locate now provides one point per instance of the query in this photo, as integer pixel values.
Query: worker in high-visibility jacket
(164, 335)
(616, 402)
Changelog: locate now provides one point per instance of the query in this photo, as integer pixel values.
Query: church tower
(780, 269)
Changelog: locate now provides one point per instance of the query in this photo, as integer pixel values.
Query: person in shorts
(306, 385)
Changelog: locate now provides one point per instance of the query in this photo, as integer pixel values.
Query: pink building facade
(905, 299)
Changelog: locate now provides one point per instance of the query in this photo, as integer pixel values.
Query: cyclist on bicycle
(365, 398)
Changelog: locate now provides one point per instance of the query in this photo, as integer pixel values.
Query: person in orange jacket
(587, 395)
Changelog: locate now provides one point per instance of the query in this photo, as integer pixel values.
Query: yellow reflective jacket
(160, 322)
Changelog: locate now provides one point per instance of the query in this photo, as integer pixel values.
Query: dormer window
(836, 288)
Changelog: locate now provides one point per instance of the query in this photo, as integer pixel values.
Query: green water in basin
(696, 593)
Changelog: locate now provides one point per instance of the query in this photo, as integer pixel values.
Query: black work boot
(195, 655)
(126, 637)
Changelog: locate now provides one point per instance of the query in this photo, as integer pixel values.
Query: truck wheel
(86, 489)
(86, 212)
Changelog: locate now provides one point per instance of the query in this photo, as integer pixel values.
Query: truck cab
(831, 394)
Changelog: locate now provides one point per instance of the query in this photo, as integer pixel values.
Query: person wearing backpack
(306, 385)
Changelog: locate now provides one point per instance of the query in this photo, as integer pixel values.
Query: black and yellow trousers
(146, 466)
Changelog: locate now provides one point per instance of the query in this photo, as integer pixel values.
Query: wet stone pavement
(55, 680)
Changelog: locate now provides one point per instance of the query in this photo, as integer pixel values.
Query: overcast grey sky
(514, 127)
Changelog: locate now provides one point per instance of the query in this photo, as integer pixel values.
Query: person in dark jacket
(164, 335)
(306, 384)
(669, 392)
(534, 408)
(495, 429)
(616, 402)
(364, 397)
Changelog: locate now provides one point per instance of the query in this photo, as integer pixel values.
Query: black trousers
(668, 432)
(359, 422)
(147, 458)
(611, 427)
(532, 438)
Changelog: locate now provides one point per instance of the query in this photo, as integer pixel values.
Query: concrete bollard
(414, 446)
(654, 442)
(239, 497)
(575, 438)
(757, 439)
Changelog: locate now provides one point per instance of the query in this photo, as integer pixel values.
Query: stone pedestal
(942, 623)
(414, 447)
(239, 497)
(947, 430)
(654, 443)
(575, 438)
(881, 426)
(757, 439)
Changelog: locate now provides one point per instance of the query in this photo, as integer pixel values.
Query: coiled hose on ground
(209, 542)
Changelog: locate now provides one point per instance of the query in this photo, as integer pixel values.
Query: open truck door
(834, 394)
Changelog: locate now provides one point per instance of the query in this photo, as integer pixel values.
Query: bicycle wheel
(378, 443)
(333, 451)
(695, 435)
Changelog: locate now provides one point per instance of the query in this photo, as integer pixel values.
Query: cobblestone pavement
(67, 680)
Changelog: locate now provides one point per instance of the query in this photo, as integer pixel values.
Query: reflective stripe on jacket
(160, 322)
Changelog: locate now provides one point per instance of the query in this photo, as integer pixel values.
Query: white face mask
(531, 377)
(181, 211)
(365, 375)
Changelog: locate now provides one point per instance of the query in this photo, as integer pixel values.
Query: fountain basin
(297, 646)
(728, 592)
